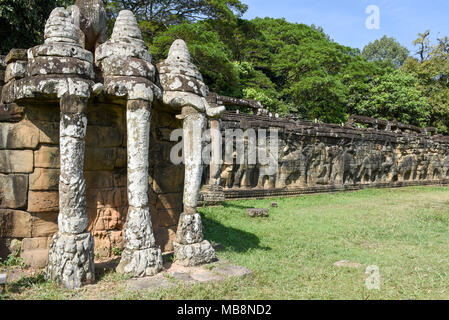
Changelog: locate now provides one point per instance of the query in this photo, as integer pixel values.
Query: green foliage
(22, 22)
(208, 52)
(387, 50)
(395, 96)
(432, 71)
(160, 14)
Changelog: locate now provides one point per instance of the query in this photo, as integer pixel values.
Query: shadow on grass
(26, 282)
(230, 238)
(103, 268)
(234, 205)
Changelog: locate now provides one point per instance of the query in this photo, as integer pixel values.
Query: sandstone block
(47, 157)
(22, 135)
(103, 137)
(99, 179)
(45, 224)
(48, 132)
(36, 258)
(165, 238)
(35, 243)
(13, 191)
(39, 201)
(16, 161)
(15, 224)
(44, 179)
(168, 179)
(99, 159)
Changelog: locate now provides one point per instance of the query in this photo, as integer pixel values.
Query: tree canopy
(22, 22)
(289, 67)
(387, 50)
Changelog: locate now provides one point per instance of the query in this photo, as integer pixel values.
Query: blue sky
(344, 20)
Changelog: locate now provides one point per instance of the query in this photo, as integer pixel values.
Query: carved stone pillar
(141, 257)
(216, 144)
(129, 74)
(185, 90)
(70, 260)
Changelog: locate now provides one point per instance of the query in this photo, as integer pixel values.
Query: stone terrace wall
(29, 178)
(323, 158)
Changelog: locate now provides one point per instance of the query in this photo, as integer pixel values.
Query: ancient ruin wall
(29, 178)
(324, 158)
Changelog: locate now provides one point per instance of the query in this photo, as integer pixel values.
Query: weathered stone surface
(16, 55)
(190, 229)
(13, 191)
(194, 254)
(165, 237)
(47, 157)
(10, 112)
(60, 27)
(60, 50)
(175, 82)
(104, 137)
(70, 260)
(93, 22)
(99, 179)
(141, 263)
(15, 224)
(121, 66)
(131, 88)
(122, 49)
(45, 224)
(23, 135)
(44, 179)
(100, 159)
(51, 86)
(43, 201)
(60, 65)
(16, 70)
(16, 161)
(257, 213)
(36, 258)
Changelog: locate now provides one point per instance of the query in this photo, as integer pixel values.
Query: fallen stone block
(254, 213)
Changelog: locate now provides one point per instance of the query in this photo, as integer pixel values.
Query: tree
(387, 50)
(157, 15)
(431, 68)
(208, 52)
(395, 96)
(22, 22)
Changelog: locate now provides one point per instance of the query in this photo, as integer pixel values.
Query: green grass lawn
(292, 254)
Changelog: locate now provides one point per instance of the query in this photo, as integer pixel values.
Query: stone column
(71, 256)
(190, 247)
(129, 74)
(216, 144)
(141, 257)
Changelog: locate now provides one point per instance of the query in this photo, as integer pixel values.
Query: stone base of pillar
(212, 195)
(190, 255)
(141, 263)
(71, 260)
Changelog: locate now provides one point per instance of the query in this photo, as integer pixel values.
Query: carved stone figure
(93, 22)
